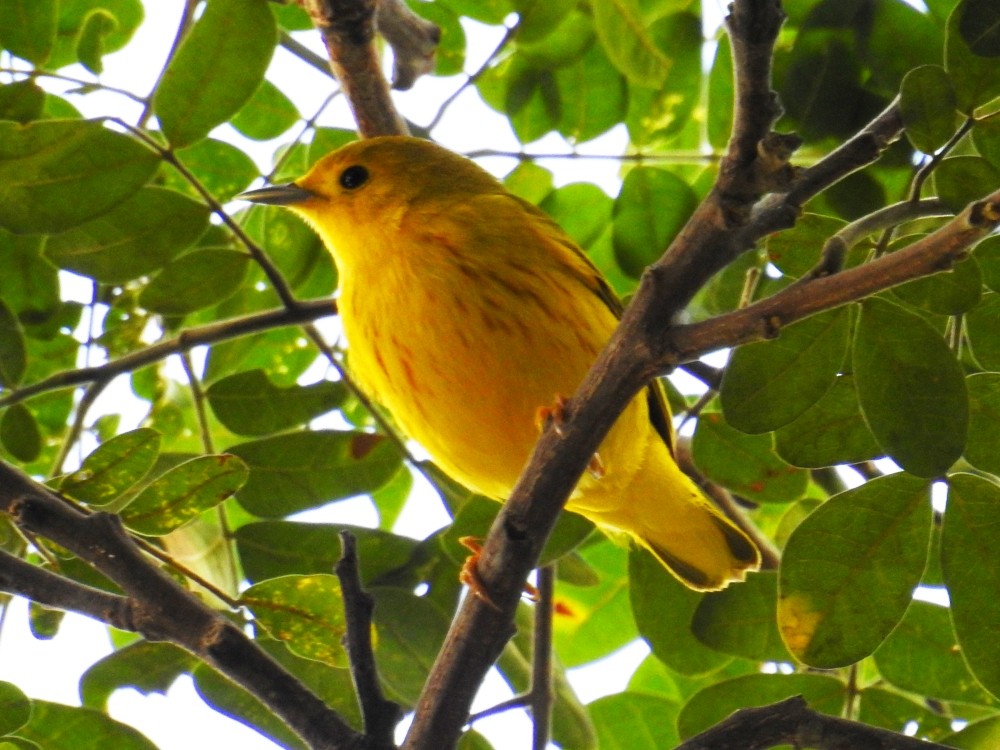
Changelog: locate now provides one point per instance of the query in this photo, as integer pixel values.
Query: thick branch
(931, 254)
(185, 341)
(348, 29)
(51, 590)
(792, 722)
(160, 609)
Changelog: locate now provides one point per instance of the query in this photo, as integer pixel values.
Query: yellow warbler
(466, 309)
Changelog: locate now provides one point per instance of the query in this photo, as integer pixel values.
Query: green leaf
(593, 96)
(266, 115)
(890, 710)
(911, 389)
(593, 618)
(99, 25)
(974, 76)
(22, 100)
(721, 95)
(797, 250)
(249, 404)
(19, 433)
(305, 612)
(56, 174)
(982, 449)
(220, 167)
(981, 327)
(410, 631)
(217, 69)
(562, 46)
(582, 209)
(138, 236)
(28, 28)
(183, 493)
(970, 562)
(663, 608)
(848, 571)
(832, 431)
(289, 473)
(143, 666)
(15, 708)
(740, 620)
(979, 735)
(13, 355)
(73, 15)
(979, 25)
(651, 208)
(922, 656)
(961, 180)
(758, 474)
(927, 103)
(269, 549)
(951, 292)
(634, 721)
(231, 700)
(629, 41)
(986, 137)
(768, 384)
(57, 727)
(113, 467)
(539, 18)
(711, 705)
(195, 280)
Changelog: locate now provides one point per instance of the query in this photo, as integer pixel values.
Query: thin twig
(541, 659)
(187, 18)
(208, 334)
(380, 715)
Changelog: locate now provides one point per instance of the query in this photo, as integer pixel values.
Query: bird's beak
(277, 195)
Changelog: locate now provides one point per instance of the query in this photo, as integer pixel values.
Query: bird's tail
(667, 514)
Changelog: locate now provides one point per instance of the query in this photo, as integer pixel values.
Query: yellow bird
(466, 310)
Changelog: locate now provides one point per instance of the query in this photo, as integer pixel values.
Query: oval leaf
(848, 571)
(199, 279)
(650, 209)
(832, 431)
(305, 612)
(217, 69)
(249, 404)
(113, 467)
(911, 389)
(970, 562)
(758, 474)
(981, 326)
(768, 384)
(302, 470)
(983, 447)
(19, 433)
(740, 620)
(183, 493)
(137, 237)
(927, 103)
(56, 174)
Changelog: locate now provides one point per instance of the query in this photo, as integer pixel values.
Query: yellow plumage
(467, 309)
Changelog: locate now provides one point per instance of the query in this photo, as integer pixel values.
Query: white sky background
(51, 670)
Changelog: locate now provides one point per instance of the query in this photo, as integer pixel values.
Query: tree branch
(792, 722)
(211, 333)
(931, 254)
(348, 30)
(380, 714)
(159, 609)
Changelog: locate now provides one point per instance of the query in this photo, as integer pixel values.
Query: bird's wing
(589, 275)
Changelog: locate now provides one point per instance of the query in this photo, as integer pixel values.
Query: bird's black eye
(353, 177)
